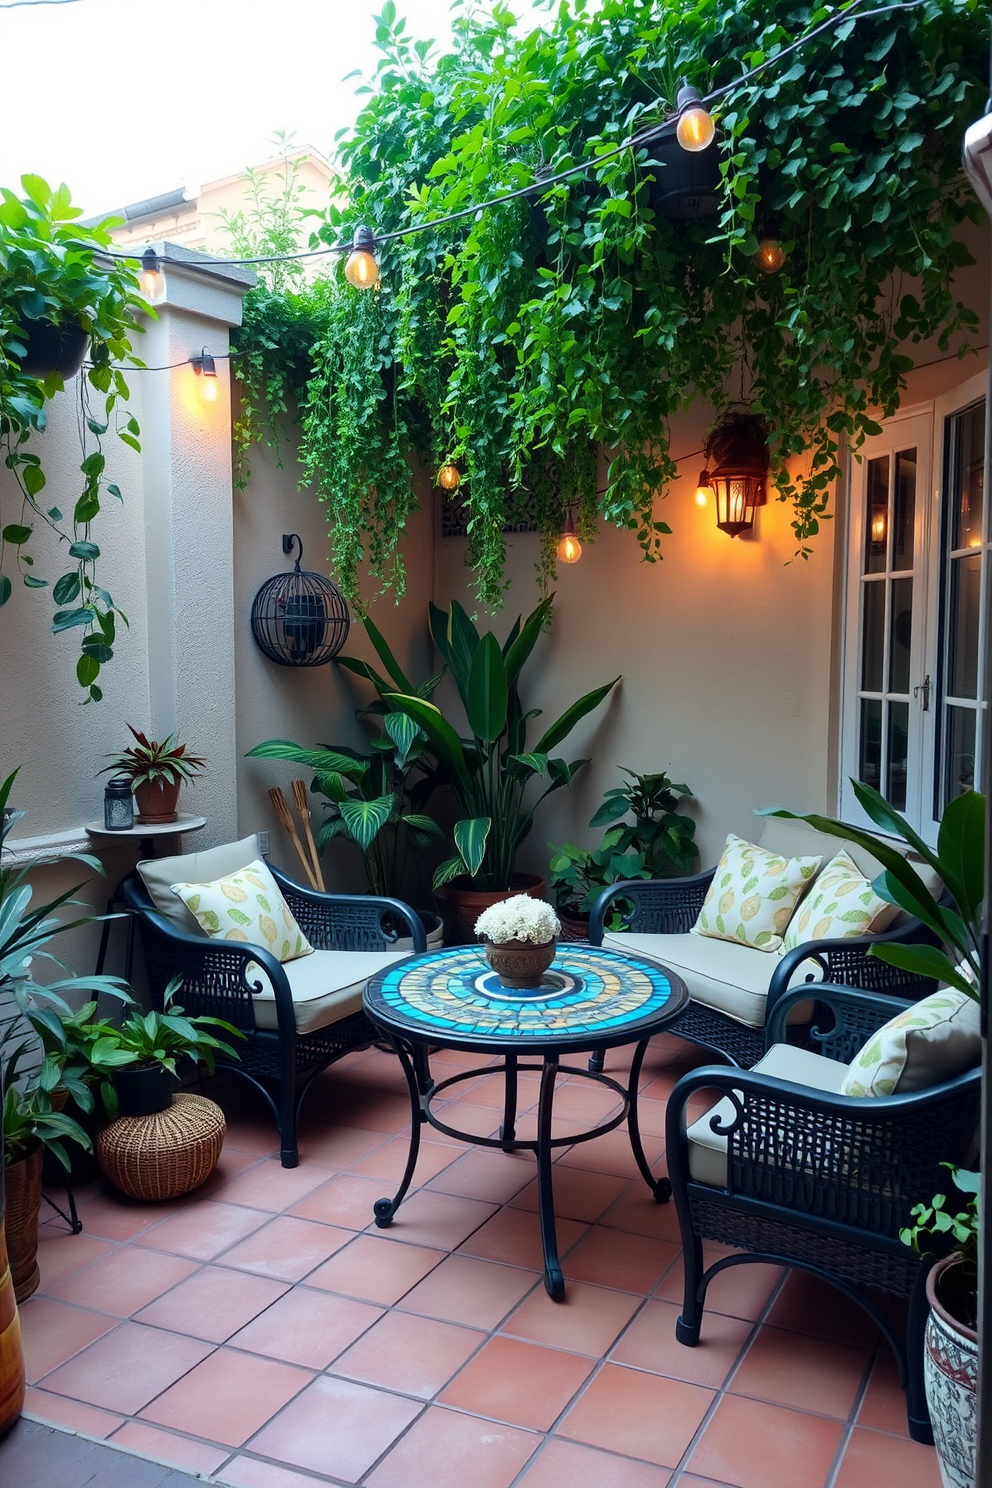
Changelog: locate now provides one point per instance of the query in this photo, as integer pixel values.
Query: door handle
(924, 688)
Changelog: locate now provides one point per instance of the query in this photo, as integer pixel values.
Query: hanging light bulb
(695, 129)
(206, 369)
(449, 477)
(703, 488)
(878, 526)
(569, 549)
(361, 270)
(770, 255)
(150, 274)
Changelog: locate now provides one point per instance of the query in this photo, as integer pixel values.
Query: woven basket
(22, 1182)
(164, 1155)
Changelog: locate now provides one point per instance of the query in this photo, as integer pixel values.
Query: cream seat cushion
(708, 1149)
(326, 986)
(159, 874)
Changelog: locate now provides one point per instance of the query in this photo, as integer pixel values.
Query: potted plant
(662, 836)
(520, 936)
(156, 772)
(950, 1358)
(578, 875)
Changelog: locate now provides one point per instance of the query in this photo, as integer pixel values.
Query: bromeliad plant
(489, 771)
(147, 760)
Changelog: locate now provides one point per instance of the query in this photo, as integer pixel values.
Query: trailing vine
(521, 338)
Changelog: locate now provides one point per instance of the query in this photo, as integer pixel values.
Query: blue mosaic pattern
(454, 992)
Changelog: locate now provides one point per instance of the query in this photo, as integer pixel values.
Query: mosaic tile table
(590, 998)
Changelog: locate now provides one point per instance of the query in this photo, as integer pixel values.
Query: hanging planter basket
(52, 348)
(686, 183)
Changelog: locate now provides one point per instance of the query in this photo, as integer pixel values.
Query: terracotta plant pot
(573, 926)
(467, 902)
(950, 1367)
(520, 963)
(156, 800)
(22, 1201)
(11, 1349)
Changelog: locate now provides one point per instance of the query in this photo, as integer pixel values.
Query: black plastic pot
(53, 348)
(686, 184)
(144, 1089)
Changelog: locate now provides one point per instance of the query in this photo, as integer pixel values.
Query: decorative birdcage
(299, 619)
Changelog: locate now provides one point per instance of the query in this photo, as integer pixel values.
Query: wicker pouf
(165, 1155)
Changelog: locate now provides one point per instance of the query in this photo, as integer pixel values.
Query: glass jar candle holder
(118, 806)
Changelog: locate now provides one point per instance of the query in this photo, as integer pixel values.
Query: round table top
(590, 997)
(150, 829)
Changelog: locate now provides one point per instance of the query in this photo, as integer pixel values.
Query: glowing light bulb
(695, 129)
(361, 270)
(210, 389)
(703, 488)
(206, 370)
(569, 549)
(771, 255)
(449, 477)
(878, 525)
(150, 275)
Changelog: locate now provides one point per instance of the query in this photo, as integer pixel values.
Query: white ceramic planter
(950, 1363)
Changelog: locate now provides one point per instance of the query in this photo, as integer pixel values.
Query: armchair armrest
(662, 906)
(350, 922)
(856, 1016)
(847, 962)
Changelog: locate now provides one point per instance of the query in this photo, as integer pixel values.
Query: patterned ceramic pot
(520, 963)
(950, 1364)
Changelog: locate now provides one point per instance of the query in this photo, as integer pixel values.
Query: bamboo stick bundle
(303, 807)
(283, 813)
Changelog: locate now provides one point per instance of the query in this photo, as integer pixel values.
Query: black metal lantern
(737, 461)
(299, 619)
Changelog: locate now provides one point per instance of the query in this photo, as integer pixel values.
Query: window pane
(904, 518)
(898, 751)
(901, 636)
(967, 434)
(874, 638)
(959, 752)
(870, 750)
(963, 621)
(877, 514)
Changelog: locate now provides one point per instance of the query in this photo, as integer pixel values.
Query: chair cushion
(326, 987)
(159, 874)
(932, 1041)
(840, 904)
(753, 895)
(247, 906)
(791, 838)
(721, 974)
(708, 1149)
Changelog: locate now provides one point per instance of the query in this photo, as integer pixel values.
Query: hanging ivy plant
(519, 339)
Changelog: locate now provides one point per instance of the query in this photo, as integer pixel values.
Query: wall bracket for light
(205, 367)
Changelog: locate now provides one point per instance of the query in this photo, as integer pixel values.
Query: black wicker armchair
(820, 1181)
(221, 978)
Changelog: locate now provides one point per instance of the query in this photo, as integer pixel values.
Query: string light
(361, 270)
(150, 277)
(770, 255)
(695, 129)
(449, 477)
(703, 488)
(205, 367)
(569, 549)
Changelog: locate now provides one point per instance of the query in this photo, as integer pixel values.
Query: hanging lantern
(878, 526)
(737, 469)
(299, 619)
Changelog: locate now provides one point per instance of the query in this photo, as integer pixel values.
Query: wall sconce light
(879, 526)
(695, 129)
(569, 549)
(737, 469)
(299, 619)
(361, 270)
(150, 274)
(206, 368)
(449, 477)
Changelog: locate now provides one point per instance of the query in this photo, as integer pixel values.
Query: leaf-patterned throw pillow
(840, 904)
(932, 1041)
(753, 894)
(246, 906)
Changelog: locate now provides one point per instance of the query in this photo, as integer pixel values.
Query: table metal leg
(554, 1281)
(661, 1188)
(384, 1209)
(508, 1131)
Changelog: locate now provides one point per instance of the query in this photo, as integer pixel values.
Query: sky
(125, 99)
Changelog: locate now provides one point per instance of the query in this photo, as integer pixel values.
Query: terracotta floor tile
(812, 1374)
(345, 1200)
(212, 1304)
(872, 1459)
(565, 1464)
(446, 1449)
(812, 1306)
(650, 1343)
(59, 1254)
(493, 1177)
(123, 1282)
(336, 1428)
(385, 1113)
(637, 1415)
(202, 1230)
(413, 1355)
(513, 1236)
(883, 1407)
(651, 1117)
(72, 1415)
(165, 1446)
(740, 1291)
(337, 1147)
(307, 1327)
(578, 1195)
(612, 1154)
(53, 1331)
(228, 1397)
(637, 1212)
(521, 1383)
(388, 1161)
(257, 1137)
(286, 1248)
(634, 1263)
(230, 1165)
(586, 1321)
(374, 1269)
(249, 1472)
(127, 1368)
(112, 1216)
(465, 1290)
(268, 1185)
(753, 1445)
(467, 1116)
(689, 1480)
(439, 1219)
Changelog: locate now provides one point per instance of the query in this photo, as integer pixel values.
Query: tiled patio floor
(263, 1333)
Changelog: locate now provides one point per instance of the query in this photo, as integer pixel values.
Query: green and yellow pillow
(932, 1041)
(753, 895)
(841, 903)
(247, 906)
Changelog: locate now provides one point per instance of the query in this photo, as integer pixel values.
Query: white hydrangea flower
(520, 918)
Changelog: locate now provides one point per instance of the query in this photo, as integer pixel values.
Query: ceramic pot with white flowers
(520, 937)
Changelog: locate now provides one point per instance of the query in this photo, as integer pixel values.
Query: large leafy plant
(660, 834)
(53, 269)
(490, 770)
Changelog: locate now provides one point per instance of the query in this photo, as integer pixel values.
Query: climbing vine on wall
(520, 339)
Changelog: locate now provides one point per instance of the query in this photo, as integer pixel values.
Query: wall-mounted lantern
(737, 470)
(299, 619)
